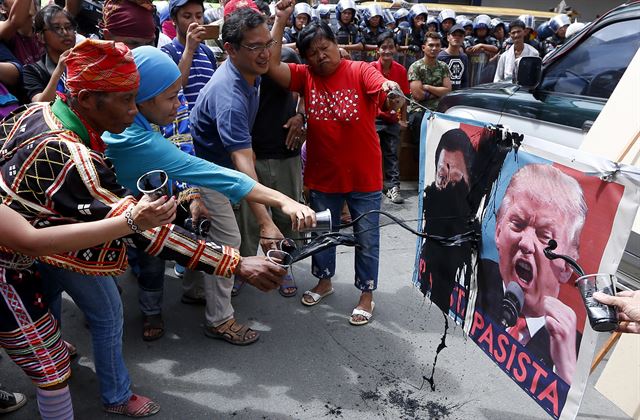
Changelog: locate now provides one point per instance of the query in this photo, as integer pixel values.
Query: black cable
(455, 240)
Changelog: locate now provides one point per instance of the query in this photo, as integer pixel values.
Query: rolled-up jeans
(150, 283)
(366, 230)
(99, 300)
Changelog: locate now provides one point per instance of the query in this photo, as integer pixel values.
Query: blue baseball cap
(179, 3)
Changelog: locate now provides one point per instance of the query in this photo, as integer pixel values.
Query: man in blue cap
(455, 58)
(194, 59)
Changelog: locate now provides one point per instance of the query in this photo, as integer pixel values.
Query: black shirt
(458, 67)
(36, 78)
(6, 56)
(277, 105)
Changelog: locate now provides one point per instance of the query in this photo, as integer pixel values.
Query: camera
(200, 228)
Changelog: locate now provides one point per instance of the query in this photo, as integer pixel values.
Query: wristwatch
(304, 118)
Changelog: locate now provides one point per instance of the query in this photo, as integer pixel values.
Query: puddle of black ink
(411, 407)
(441, 347)
(436, 410)
(407, 405)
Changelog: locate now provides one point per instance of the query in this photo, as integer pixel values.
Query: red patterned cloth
(28, 332)
(104, 66)
(133, 18)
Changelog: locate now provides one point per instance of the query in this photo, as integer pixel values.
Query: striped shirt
(202, 68)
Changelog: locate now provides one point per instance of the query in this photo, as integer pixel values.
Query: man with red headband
(130, 22)
(53, 171)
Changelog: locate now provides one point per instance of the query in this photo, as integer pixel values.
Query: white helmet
(559, 21)
(496, 21)
(324, 10)
(482, 21)
(574, 28)
(529, 21)
(446, 14)
(345, 5)
(401, 13)
(303, 8)
(417, 10)
(372, 10)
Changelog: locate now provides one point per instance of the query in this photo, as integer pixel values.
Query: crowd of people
(94, 95)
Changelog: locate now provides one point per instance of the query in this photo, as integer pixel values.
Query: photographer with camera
(194, 59)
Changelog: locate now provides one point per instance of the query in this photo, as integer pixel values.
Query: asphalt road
(309, 362)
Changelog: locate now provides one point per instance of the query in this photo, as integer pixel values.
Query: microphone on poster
(511, 304)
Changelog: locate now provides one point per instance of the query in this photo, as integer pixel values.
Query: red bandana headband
(104, 66)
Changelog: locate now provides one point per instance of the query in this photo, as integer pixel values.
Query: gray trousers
(217, 290)
(284, 175)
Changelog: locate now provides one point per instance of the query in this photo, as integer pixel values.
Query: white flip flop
(315, 296)
(366, 315)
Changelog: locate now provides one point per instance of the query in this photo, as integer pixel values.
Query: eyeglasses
(61, 30)
(259, 49)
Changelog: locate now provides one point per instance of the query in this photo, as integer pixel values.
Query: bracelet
(304, 117)
(130, 222)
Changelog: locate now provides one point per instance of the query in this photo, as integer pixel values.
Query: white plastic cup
(601, 317)
(280, 258)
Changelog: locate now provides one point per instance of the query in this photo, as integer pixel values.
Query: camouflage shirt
(428, 75)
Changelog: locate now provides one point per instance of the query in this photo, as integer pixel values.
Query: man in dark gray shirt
(456, 59)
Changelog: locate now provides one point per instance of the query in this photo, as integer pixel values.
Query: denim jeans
(150, 282)
(389, 135)
(367, 233)
(99, 300)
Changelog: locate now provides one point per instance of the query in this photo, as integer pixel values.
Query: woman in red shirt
(343, 151)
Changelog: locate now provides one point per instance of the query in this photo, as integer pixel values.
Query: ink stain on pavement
(441, 347)
(404, 404)
(332, 410)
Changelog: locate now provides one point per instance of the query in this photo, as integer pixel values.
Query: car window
(594, 67)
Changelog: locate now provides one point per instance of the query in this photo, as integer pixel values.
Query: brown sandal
(232, 332)
(152, 327)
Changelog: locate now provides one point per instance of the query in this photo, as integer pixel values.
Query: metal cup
(601, 317)
(323, 222)
(155, 184)
(279, 257)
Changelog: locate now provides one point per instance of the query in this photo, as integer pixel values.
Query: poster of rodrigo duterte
(492, 202)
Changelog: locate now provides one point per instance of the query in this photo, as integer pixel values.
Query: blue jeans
(367, 233)
(150, 283)
(99, 300)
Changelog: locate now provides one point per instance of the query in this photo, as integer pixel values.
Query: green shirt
(428, 75)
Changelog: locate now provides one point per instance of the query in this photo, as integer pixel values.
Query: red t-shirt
(343, 150)
(398, 74)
